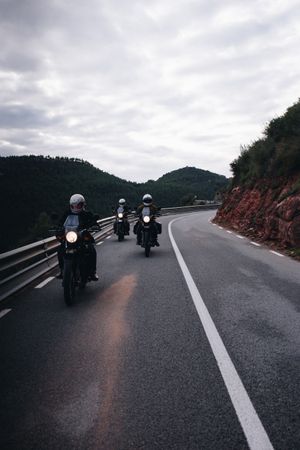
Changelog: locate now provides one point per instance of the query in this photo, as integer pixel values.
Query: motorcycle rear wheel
(69, 283)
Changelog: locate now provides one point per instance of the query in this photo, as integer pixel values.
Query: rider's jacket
(153, 210)
(122, 209)
(86, 218)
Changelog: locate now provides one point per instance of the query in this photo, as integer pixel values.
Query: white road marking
(276, 253)
(99, 243)
(43, 283)
(255, 243)
(108, 237)
(230, 232)
(4, 312)
(240, 237)
(221, 228)
(254, 431)
(214, 224)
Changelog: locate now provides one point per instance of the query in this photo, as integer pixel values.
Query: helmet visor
(77, 207)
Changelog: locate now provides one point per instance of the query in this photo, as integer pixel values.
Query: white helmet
(77, 203)
(147, 199)
(122, 201)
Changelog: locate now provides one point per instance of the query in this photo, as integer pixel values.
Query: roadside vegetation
(263, 198)
(277, 154)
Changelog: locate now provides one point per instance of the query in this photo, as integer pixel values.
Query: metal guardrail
(21, 266)
(191, 208)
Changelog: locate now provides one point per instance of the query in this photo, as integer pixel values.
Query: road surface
(195, 347)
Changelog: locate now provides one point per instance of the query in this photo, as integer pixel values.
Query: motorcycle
(148, 239)
(120, 228)
(76, 252)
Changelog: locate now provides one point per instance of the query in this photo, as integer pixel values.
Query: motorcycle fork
(145, 235)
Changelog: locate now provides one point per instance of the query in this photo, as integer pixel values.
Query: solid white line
(240, 237)
(275, 253)
(4, 312)
(254, 431)
(43, 283)
(108, 237)
(255, 243)
(99, 243)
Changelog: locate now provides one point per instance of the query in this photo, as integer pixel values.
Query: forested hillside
(176, 188)
(34, 187)
(276, 154)
(264, 198)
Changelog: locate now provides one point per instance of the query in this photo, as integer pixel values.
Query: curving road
(196, 347)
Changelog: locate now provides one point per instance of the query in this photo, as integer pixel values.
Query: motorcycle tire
(69, 283)
(84, 274)
(146, 243)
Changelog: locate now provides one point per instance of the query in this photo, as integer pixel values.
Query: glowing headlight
(71, 237)
(120, 215)
(146, 219)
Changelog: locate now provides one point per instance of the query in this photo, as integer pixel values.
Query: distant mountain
(33, 187)
(177, 187)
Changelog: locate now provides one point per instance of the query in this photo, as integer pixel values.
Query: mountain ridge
(38, 186)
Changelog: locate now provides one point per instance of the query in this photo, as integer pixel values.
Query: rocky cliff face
(269, 211)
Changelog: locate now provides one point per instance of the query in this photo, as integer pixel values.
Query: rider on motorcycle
(152, 212)
(86, 220)
(123, 208)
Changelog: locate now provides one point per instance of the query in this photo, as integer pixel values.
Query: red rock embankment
(268, 211)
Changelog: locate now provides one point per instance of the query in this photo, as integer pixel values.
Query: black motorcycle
(76, 246)
(120, 226)
(147, 224)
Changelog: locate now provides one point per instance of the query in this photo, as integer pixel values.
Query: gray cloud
(20, 116)
(140, 88)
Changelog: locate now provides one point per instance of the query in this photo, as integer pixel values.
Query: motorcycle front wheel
(146, 242)
(120, 232)
(84, 270)
(69, 282)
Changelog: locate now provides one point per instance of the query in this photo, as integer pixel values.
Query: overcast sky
(142, 87)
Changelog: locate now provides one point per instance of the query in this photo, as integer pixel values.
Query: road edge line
(251, 424)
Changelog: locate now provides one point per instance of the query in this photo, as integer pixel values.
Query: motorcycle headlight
(120, 215)
(146, 219)
(71, 237)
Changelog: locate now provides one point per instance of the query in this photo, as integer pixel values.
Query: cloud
(21, 116)
(140, 88)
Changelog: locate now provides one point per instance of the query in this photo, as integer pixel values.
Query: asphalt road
(136, 364)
